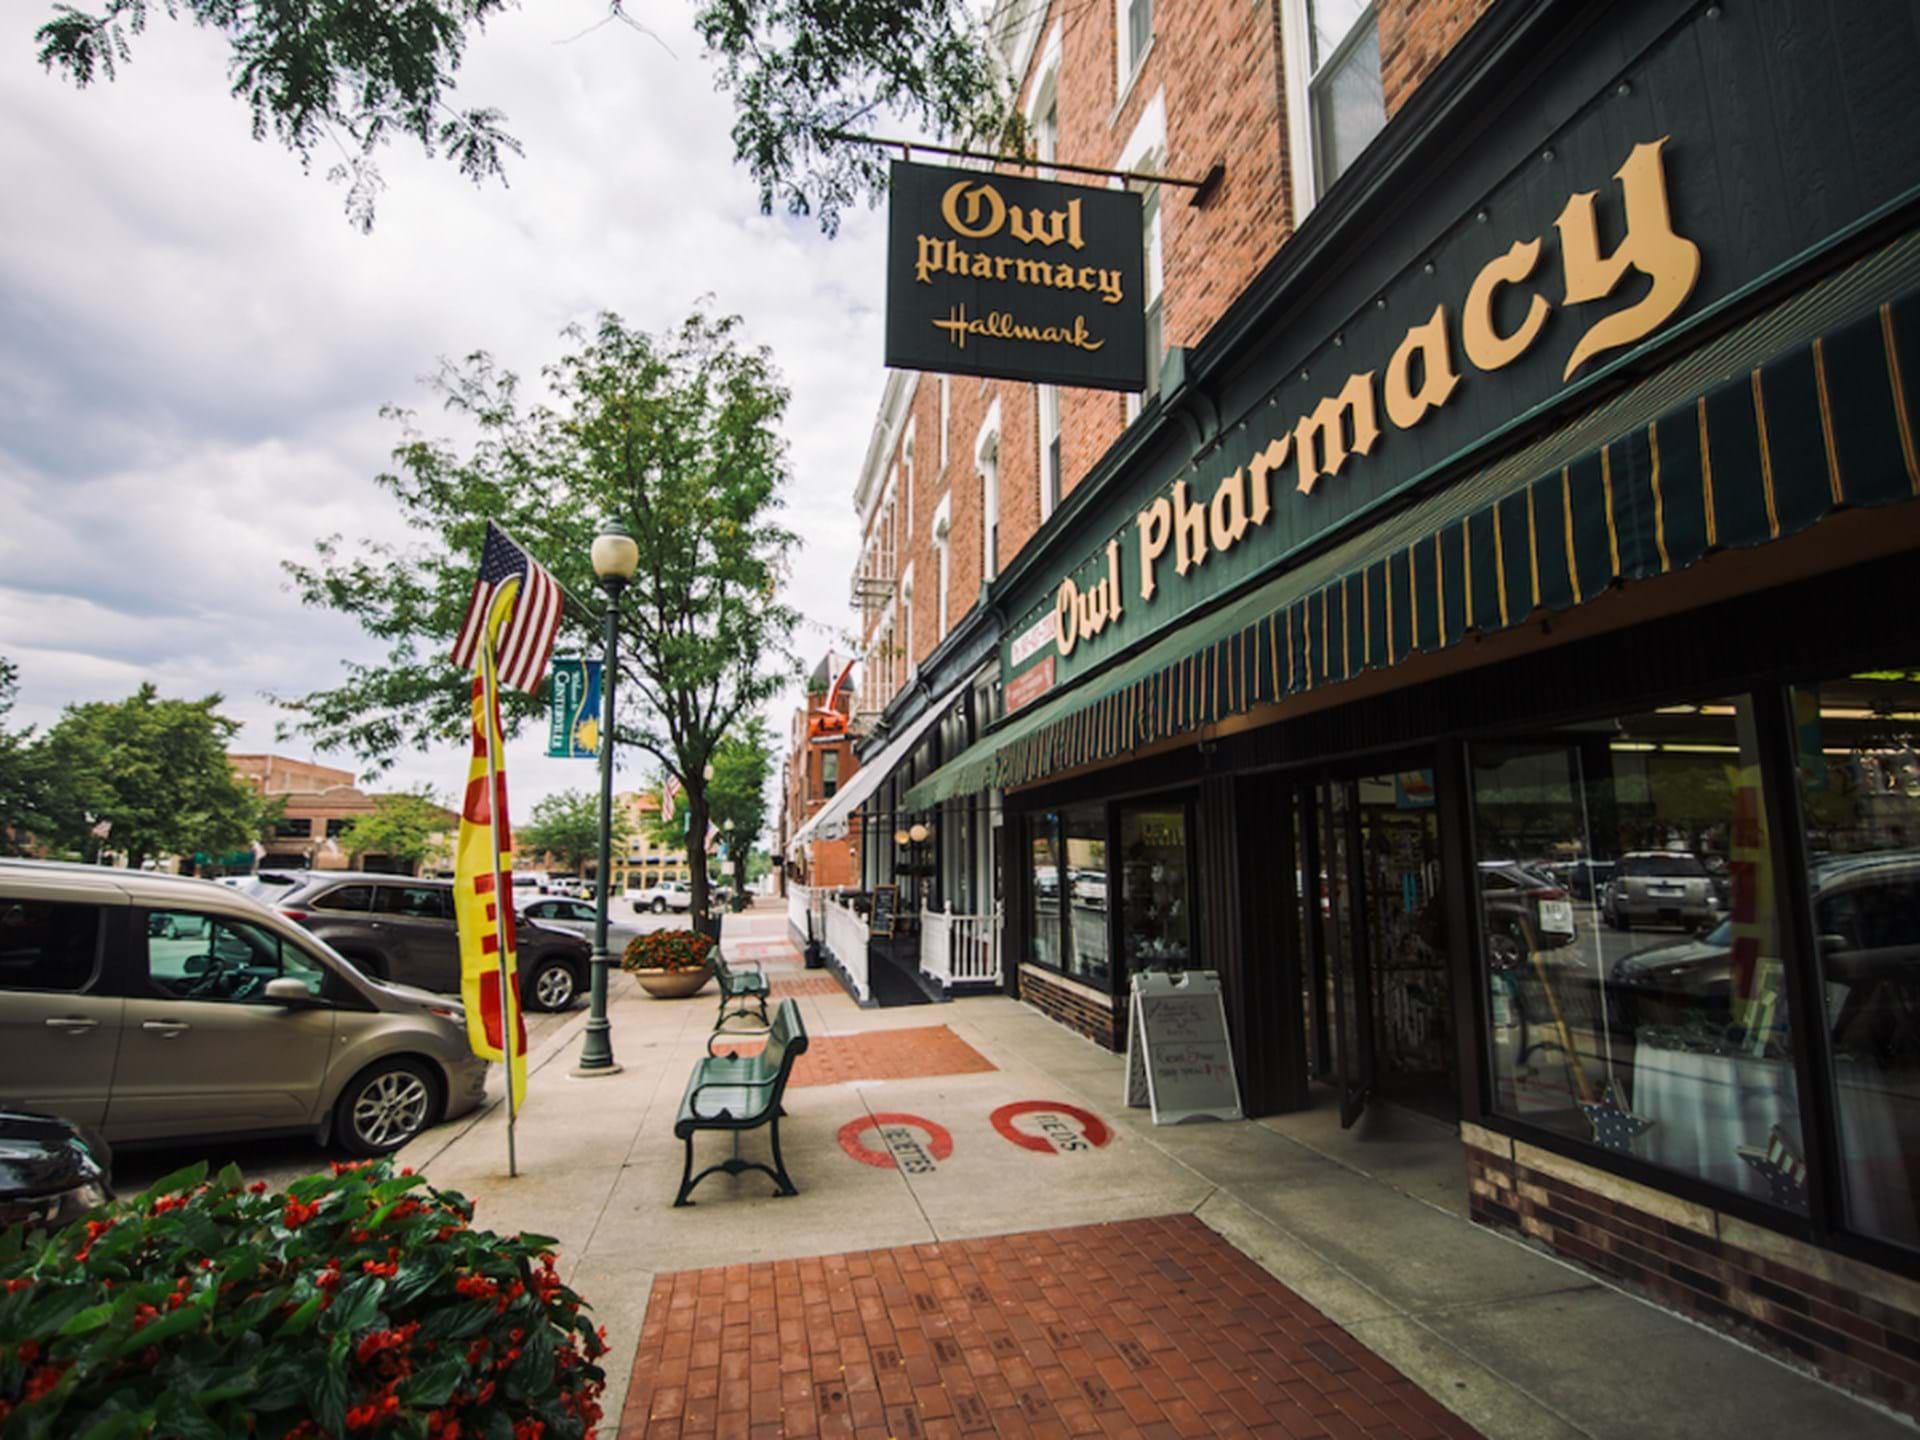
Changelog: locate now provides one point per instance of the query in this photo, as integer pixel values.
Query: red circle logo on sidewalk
(1062, 1128)
(913, 1144)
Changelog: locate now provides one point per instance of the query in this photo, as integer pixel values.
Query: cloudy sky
(194, 343)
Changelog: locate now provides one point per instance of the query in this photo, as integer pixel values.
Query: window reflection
(1628, 909)
(1858, 741)
(1044, 894)
(1085, 895)
(1156, 917)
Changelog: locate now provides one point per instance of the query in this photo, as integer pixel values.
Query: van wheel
(659, 904)
(552, 985)
(385, 1106)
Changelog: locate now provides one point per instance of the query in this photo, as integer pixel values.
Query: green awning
(1797, 413)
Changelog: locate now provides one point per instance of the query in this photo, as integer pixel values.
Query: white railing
(846, 941)
(936, 959)
(799, 905)
(960, 949)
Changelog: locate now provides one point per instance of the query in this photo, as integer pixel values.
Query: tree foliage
(674, 435)
(741, 766)
(566, 826)
(25, 786)
(409, 826)
(347, 76)
(154, 770)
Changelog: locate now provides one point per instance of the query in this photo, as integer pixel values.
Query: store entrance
(1378, 1004)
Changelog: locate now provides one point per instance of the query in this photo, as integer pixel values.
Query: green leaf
(180, 1180)
(177, 1322)
(178, 1415)
(303, 1317)
(416, 1276)
(307, 1186)
(229, 1178)
(434, 1386)
(282, 1384)
(54, 1306)
(327, 1387)
(91, 1318)
(532, 1373)
(357, 1304)
(117, 1424)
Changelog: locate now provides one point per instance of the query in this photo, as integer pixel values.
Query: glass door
(1345, 936)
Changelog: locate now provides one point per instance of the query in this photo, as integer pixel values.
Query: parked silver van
(155, 1007)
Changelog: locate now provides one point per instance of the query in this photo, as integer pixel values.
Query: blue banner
(573, 715)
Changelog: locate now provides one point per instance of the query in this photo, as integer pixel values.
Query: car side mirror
(288, 991)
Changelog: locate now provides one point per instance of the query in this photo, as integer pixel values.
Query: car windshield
(1674, 864)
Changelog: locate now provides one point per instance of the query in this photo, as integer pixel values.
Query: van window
(421, 902)
(216, 957)
(45, 945)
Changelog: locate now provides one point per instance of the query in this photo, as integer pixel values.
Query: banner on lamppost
(573, 709)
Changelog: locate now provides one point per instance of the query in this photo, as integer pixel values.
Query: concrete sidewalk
(1366, 1229)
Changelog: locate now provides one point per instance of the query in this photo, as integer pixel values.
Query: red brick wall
(1415, 36)
(1854, 1326)
(1098, 1020)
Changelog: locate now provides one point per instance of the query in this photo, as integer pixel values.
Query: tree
(407, 826)
(348, 77)
(153, 771)
(25, 791)
(566, 827)
(741, 765)
(674, 435)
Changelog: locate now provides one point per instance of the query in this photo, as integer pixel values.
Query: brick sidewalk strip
(910, 1054)
(1146, 1327)
(809, 985)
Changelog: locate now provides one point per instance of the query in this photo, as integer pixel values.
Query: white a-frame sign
(1179, 1059)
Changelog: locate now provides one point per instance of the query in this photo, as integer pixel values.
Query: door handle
(168, 1028)
(72, 1024)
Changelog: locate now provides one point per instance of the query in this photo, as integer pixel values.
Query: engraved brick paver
(807, 985)
(913, 1053)
(1143, 1327)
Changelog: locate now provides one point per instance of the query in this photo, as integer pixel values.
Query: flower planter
(673, 984)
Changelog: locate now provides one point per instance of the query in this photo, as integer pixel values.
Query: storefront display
(1156, 906)
(1660, 998)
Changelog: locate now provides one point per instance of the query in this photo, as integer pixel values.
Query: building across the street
(318, 803)
(1488, 645)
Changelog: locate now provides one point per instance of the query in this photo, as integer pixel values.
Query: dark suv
(399, 928)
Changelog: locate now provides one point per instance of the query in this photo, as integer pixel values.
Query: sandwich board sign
(1179, 1059)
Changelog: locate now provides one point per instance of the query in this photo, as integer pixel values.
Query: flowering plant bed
(356, 1302)
(669, 951)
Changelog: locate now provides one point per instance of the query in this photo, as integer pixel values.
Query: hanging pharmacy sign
(1022, 279)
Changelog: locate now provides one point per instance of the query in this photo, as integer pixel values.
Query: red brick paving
(1155, 1328)
(907, 1054)
(807, 985)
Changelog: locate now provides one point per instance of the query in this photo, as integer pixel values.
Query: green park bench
(731, 1092)
(745, 989)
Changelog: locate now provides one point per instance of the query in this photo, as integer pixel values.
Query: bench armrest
(757, 966)
(757, 1032)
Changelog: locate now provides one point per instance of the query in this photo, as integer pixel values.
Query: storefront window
(1043, 900)
(1628, 908)
(1086, 895)
(1858, 740)
(1156, 910)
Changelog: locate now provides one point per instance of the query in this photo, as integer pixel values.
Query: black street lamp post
(614, 558)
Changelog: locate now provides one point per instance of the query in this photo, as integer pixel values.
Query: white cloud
(194, 343)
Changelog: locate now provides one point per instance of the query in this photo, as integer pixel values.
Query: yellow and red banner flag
(482, 888)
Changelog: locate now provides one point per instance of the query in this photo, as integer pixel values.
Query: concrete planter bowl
(673, 984)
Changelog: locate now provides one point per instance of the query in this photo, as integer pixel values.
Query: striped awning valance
(1801, 411)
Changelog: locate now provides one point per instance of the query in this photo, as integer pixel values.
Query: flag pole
(502, 894)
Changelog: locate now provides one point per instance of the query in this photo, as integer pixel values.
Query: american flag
(527, 634)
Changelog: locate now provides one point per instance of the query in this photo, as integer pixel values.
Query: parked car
(1522, 911)
(1090, 889)
(577, 916)
(223, 1018)
(404, 929)
(1661, 887)
(51, 1172)
(1582, 879)
(662, 896)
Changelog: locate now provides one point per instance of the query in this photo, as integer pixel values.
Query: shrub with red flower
(671, 951)
(356, 1303)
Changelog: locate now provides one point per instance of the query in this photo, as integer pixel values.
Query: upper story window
(942, 525)
(946, 412)
(906, 462)
(1146, 152)
(1050, 478)
(829, 773)
(1133, 27)
(1335, 101)
(986, 458)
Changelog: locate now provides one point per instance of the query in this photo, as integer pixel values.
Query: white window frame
(1045, 95)
(909, 668)
(1047, 428)
(943, 574)
(1127, 63)
(1302, 151)
(1146, 151)
(906, 464)
(946, 415)
(986, 460)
